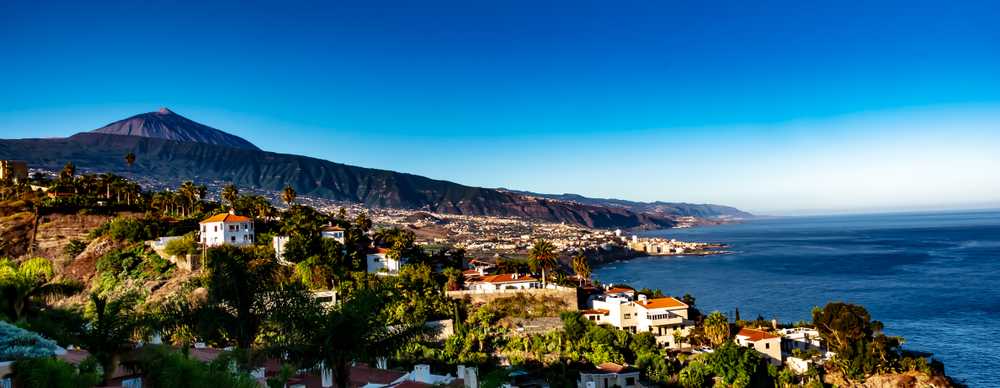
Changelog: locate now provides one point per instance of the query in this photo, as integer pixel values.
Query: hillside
(173, 162)
(164, 124)
(707, 211)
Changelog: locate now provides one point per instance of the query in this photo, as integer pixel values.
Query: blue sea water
(932, 278)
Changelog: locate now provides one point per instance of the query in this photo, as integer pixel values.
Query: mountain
(664, 208)
(164, 124)
(172, 162)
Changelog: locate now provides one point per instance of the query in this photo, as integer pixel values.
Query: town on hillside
(106, 284)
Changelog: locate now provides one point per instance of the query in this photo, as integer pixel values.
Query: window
(217, 228)
(204, 228)
(750, 345)
(6, 383)
(232, 228)
(375, 259)
(767, 346)
(628, 316)
(232, 238)
(629, 381)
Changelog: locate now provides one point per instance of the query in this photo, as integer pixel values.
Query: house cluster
(621, 308)
(662, 246)
(779, 346)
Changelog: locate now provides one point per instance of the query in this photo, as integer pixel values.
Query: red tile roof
(505, 278)
(756, 335)
(226, 217)
(611, 367)
(660, 303)
(618, 290)
(332, 229)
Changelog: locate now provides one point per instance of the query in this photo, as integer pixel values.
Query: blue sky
(772, 107)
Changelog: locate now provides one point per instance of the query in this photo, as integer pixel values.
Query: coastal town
(138, 282)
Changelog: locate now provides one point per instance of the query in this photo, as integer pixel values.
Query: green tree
(165, 366)
(113, 324)
(859, 343)
(230, 193)
(575, 325)
(129, 159)
(52, 372)
(288, 195)
(694, 375)
(354, 330)
(28, 281)
(654, 368)
(740, 366)
(602, 353)
(581, 265)
(542, 256)
(717, 328)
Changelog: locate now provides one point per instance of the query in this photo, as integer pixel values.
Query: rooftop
(226, 217)
(755, 335)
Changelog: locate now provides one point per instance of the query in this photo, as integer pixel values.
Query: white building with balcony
(660, 316)
(227, 228)
(334, 233)
(609, 375)
(379, 264)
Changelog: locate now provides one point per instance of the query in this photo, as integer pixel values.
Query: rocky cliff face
(894, 380)
(164, 124)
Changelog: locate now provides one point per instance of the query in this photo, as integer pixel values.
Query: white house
(499, 282)
(379, 264)
(661, 316)
(227, 228)
(334, 233)
(767, 344)
(608, 375)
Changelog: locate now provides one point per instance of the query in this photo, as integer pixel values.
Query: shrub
(18, 343)
(52, 372)
(74, 248)
(695, 375)
(181, 246)
(132, 230)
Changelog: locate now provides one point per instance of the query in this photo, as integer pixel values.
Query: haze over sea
(932, 277)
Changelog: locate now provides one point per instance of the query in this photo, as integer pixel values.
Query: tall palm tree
(129, 158)
(356, 329)
(28, 280)
(581, 265)
(542, 256)
(230, 193)
(70, 170)
(113, 324)
(288, 195)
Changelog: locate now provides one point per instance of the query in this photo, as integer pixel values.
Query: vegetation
(542, 256)
(16, 343)
(29, 280)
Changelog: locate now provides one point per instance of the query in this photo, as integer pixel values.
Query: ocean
(932, 278)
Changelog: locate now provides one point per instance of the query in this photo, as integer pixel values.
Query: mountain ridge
(172, 162)
(707, 211)
(165, 124)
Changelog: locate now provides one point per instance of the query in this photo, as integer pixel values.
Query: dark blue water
(933, 278)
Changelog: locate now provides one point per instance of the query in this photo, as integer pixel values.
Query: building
(379, 264)
(609, 375)
(767, 344)
(227, 228)
(502, 282)
(334, 233)
(18, 170)
(661, 316)
(801, 338)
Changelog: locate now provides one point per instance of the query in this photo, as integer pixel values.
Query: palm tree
(129, 158)
(70, 170)
(28, 281)
(542, 256)
(581, 265)
(113, 325)
(243, 300)
(165, 366)
(717, 328)
(288, 195)
(230, 193)
(356, 329)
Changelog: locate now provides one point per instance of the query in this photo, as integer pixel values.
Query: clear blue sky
(793, 107)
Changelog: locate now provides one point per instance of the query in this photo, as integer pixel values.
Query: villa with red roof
(767, 344)
(661, 316)
(227, 228)
(501, 282)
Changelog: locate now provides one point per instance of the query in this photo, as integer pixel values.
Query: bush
(132, 230)
(18, 343)
(181, 246)
(52, 372)
(74, 248)
(695, 375)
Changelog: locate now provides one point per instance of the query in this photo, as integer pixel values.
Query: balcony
(664, 319)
